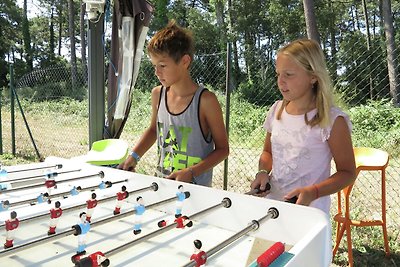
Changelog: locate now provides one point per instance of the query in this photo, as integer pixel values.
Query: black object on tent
(131, 19)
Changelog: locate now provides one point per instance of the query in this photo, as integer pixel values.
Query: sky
(33, 7)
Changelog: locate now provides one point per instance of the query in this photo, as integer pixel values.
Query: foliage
(10, 17)
(62, 107)
(376, 116)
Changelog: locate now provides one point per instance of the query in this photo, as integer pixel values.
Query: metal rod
(65, 233)
(226, 202)
(153, 186)
(254, 225)
(40, 175)
(101, 174)
(57, 166)
(65, 193)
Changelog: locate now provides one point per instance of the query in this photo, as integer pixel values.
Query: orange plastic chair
(367, 159)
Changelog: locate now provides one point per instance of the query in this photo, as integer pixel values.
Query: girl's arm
(341, 148)
(264, 167)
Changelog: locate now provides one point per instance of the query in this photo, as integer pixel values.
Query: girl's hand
(184, 175)
(261, 180)
(305, 195)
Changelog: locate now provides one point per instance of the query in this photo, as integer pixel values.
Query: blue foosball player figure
(179, 203)
(75, 190)
(140, 209)
(4, 205)
(81, 229)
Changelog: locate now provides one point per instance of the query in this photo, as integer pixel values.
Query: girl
(304, 132)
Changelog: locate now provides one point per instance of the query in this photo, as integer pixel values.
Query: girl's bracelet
(263, 171)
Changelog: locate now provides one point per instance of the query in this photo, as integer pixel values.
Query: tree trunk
(60, 24)
(235, 67)
(368, 59)
(219, 13)
(83, 41)
(27, 38)
(311, 22)
(391, 51)
(71, 27)
(332, 36)
(52, 37)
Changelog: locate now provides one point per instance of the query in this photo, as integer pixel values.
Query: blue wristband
(135, 156)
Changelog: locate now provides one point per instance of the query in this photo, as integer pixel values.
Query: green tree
(10, 28)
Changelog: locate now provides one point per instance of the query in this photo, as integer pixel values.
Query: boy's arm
(148, 137)
(211, 112)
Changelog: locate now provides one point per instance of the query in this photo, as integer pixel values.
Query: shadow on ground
(367, 257)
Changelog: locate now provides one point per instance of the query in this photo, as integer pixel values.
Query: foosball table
(63, 212)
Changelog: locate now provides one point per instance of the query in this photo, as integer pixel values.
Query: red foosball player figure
(90, 205)
(55, 214)
(121, 197)
(181, 222)
(199, 256)
(96, 259)
(11, 225)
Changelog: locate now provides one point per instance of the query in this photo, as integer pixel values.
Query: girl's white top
(300, 153)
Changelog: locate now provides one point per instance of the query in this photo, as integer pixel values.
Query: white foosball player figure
(11, 226)
(55, 214)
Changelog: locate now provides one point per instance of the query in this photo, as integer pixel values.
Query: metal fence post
(12, 100)
(1, 120)
(227, 106)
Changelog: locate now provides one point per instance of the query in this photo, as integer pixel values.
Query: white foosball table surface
(305, 231)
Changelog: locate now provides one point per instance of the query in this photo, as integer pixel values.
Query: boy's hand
(184, 175)
(128, 165)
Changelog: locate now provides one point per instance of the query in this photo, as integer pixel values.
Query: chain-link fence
(56, 110)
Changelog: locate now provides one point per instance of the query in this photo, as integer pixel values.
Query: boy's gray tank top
(180, 141)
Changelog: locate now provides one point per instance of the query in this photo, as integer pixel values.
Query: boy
(186, 119)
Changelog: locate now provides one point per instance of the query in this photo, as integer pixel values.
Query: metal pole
(254, 225)
(101, 174)
(40, 175)
(12, 107)
(56, 166)
(227, 106)
(1, 122)
(96, 80)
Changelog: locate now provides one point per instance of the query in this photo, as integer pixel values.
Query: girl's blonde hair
(308, 54)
